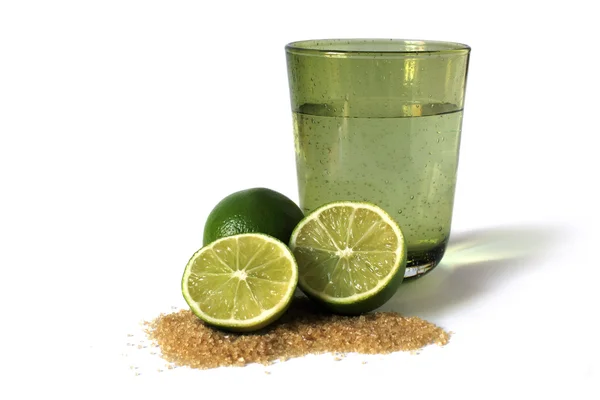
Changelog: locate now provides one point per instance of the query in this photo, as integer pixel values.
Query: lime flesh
(242, 282)
(351, 256)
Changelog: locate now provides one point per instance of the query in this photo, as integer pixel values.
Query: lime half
(241, 282)
(351, 256)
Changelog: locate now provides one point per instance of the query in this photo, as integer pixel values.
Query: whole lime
(256, 210)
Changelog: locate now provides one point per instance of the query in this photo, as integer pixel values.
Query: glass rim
(384, 47)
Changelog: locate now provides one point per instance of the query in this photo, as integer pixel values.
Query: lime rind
(391, 279)
(267, 316)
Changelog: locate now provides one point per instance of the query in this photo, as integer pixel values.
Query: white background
(122, 123)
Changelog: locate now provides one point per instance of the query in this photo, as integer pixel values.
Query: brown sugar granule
(185, 340)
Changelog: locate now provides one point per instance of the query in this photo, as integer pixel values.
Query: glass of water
(379, 120)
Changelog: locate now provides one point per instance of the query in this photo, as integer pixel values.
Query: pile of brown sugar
(185, 340)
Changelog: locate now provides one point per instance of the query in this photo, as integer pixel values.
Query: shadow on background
(474, 262)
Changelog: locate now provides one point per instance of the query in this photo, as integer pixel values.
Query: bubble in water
(399, 211)
(412, 197)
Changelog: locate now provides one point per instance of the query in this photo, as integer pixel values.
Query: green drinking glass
(379, 120)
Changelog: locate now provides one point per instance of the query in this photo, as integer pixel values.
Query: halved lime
(241, 282)
(351, 256)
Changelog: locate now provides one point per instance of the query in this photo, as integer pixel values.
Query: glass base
(421, 262)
